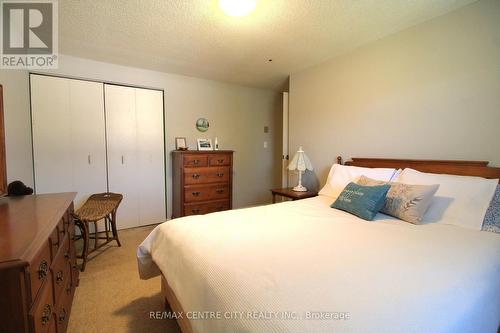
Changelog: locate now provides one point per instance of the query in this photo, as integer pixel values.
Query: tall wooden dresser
(38, 271)
(202, 182)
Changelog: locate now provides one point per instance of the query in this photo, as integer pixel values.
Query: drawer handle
(196, 176)
(59, 277)
(195, 211)
(219, 190)
(195, 193)
(219, 174)
(47, 311)
(196, 161)
(220, 161)
(42, 270)
(62, 315)
(68, 290)
(67, 255)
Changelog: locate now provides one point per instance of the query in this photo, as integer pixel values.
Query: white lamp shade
(300, 161)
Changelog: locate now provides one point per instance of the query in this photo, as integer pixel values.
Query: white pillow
(460, 200)
(341, 175)
(396, 174)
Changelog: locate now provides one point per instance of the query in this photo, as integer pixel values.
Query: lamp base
(300, 188)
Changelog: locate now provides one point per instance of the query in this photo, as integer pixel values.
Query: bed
(304, 267)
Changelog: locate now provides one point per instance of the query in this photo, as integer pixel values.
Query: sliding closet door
(150, 156)
(88, 139)
(121, 125)
(68, 136)
(134, 121)
(51, 124)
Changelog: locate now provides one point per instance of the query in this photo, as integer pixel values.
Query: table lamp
(301, 163)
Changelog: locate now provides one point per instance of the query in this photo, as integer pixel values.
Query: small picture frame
(180, 143)
(204, 144)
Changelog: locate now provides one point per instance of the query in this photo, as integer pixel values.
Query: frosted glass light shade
(300, 161)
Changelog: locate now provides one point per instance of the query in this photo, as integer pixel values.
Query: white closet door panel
(150, 152)
(51, 121)
(121, 133)
(87, 139)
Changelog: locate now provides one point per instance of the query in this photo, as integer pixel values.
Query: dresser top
(202, 151)
(26, 222)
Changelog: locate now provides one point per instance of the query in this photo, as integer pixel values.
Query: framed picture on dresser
(3, 166)
(180, 143)
(204, 144)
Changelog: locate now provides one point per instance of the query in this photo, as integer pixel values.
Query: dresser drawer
(39, 269)
(41, 316)
(65, 220)
(63, 307)
(195, 160)
(52, 326)
(75, 271)
(200, 178)
(219, 159)
(205, 208)
(61, 269)
(194, 176)
(54, 242)
(61, 226)
(195, 193)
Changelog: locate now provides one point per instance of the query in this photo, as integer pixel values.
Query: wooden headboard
(462, 168)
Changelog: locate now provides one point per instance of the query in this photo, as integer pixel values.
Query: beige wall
(431, 91)
(237, 116)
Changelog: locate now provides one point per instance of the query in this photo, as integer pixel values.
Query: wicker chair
(101, 206)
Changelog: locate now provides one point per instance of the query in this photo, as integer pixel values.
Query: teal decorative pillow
(362, 201)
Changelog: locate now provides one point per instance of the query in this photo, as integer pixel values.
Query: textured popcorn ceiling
(193, 37)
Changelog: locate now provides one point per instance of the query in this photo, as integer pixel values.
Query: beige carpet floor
(112, 298)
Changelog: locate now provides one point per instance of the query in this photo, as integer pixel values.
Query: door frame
(285, 140)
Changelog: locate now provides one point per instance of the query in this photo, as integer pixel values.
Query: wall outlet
(265, 144)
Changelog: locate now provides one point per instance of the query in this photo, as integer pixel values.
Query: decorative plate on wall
(202, 124)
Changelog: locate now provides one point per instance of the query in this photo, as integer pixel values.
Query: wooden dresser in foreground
(202, 182)
(38, 271)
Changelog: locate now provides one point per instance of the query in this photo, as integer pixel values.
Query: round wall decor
(202, 124)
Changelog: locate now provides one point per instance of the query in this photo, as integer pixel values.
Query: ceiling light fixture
(237, 8)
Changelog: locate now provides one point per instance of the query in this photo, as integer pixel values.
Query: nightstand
(290, 193)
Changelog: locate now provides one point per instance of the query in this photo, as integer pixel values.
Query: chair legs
(96, 235)
(84, 234)
(113, 227)
(85, 251)
(84, 230)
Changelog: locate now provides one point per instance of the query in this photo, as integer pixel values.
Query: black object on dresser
(38, 271)
(202, 182)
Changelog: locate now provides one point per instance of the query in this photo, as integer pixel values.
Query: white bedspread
(299, 259)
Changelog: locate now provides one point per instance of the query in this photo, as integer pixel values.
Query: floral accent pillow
(404, 201)
(491, 220)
